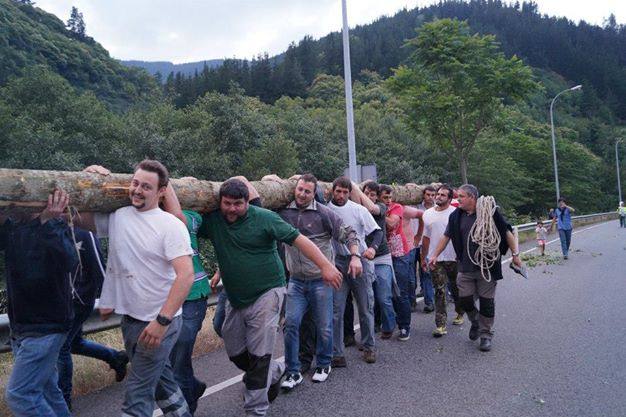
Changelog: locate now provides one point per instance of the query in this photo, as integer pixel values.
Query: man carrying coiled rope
(480, 236)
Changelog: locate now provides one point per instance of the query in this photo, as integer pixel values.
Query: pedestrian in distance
(562, 217)
(541, 233)
(621, 210)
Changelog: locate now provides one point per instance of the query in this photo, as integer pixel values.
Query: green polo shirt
(247, 253)
(200, 287)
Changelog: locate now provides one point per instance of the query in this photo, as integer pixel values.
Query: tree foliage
(456, 84)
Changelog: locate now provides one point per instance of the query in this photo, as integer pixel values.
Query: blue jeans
(76, 344)
(220, 313)
(180, 357)
(33, 389)
(383, 294)
(566, 240)
(363, 293)
(414, 256)
(302, 295)
(403, 303)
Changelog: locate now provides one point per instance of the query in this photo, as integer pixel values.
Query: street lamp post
(619, 185)
(556, 168)
(347, 76)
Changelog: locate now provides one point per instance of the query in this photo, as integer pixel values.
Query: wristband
(356, 254)
(163, 321)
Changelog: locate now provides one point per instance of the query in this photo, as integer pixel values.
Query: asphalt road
(559, 350)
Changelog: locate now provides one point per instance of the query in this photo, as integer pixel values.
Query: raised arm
(359, 197)
(172, 205)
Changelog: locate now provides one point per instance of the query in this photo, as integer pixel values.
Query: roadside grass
(92, 375)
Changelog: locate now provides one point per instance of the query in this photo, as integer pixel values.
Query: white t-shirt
(435, 224)
(139, 271)
(357, 217)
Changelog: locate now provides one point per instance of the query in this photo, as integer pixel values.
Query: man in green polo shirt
(194, 307)
(245, 237)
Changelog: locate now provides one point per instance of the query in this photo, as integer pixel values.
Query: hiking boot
(292, 381)
(440, 331)
(428, 308)
(386, 335)
(339, 362)
(118, 364)
(458, 320)
(199, 391)
(485, 344)
(273, 390)
(404, 335)
(349, 340)
(369, 356)
(473, 333)
(321, 374)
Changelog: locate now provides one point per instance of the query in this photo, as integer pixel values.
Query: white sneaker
(321, 374)
(292, 381)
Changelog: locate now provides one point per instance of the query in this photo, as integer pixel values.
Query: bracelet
(515, 254)
(356, 254)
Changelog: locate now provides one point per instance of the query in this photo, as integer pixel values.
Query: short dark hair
(446, 187)
(234, 188)
(308, 178)
(158, 168)
(343, 182)
(384, 188)
(428, 188)
(562, 199)
(373, 186)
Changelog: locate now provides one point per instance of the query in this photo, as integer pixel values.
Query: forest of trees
(65, 104)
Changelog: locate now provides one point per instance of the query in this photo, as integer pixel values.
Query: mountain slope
(29, 36)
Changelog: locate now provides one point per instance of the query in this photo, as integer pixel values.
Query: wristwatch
(356, 254)
(515, 254)
(163, 321)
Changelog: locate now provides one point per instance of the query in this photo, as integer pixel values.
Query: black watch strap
(163, 321)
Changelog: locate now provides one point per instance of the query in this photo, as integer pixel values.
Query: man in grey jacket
(306, 289)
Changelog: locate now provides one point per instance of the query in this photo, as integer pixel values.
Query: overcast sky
(195, 30)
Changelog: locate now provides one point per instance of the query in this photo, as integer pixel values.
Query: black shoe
(429, 308)
(473, 333)
(199, 391)
(349, 341)
(119, 365)
(485, 344)
(339, 362)
(274, 389)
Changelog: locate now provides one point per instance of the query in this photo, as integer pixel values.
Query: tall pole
(619, 185)
(556, 168)
(347, 75)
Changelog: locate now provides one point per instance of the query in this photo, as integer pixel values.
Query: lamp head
(576, 87)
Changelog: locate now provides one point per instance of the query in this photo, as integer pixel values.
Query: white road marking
(236, 379)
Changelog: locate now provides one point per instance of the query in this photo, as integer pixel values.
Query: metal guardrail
(95, 325)
(531, 226)
(92, 325)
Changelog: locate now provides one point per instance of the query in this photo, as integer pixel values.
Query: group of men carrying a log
(155, 280)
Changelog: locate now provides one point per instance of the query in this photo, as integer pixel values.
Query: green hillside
(29, 36)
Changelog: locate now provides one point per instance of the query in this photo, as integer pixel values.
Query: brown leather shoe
(369, 356)
(386, 335)
(339, 362)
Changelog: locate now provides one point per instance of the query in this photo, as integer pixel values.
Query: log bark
(27, 190)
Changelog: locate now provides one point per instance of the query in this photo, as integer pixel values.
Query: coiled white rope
(485, 234)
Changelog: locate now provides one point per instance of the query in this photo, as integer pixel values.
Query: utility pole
(347, 76)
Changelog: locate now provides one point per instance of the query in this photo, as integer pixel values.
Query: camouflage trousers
(445, 272)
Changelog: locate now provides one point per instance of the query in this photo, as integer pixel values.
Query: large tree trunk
(27, 190)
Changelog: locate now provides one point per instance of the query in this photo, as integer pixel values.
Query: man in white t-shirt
(435, 223)
(361, 221)
(149, 274)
